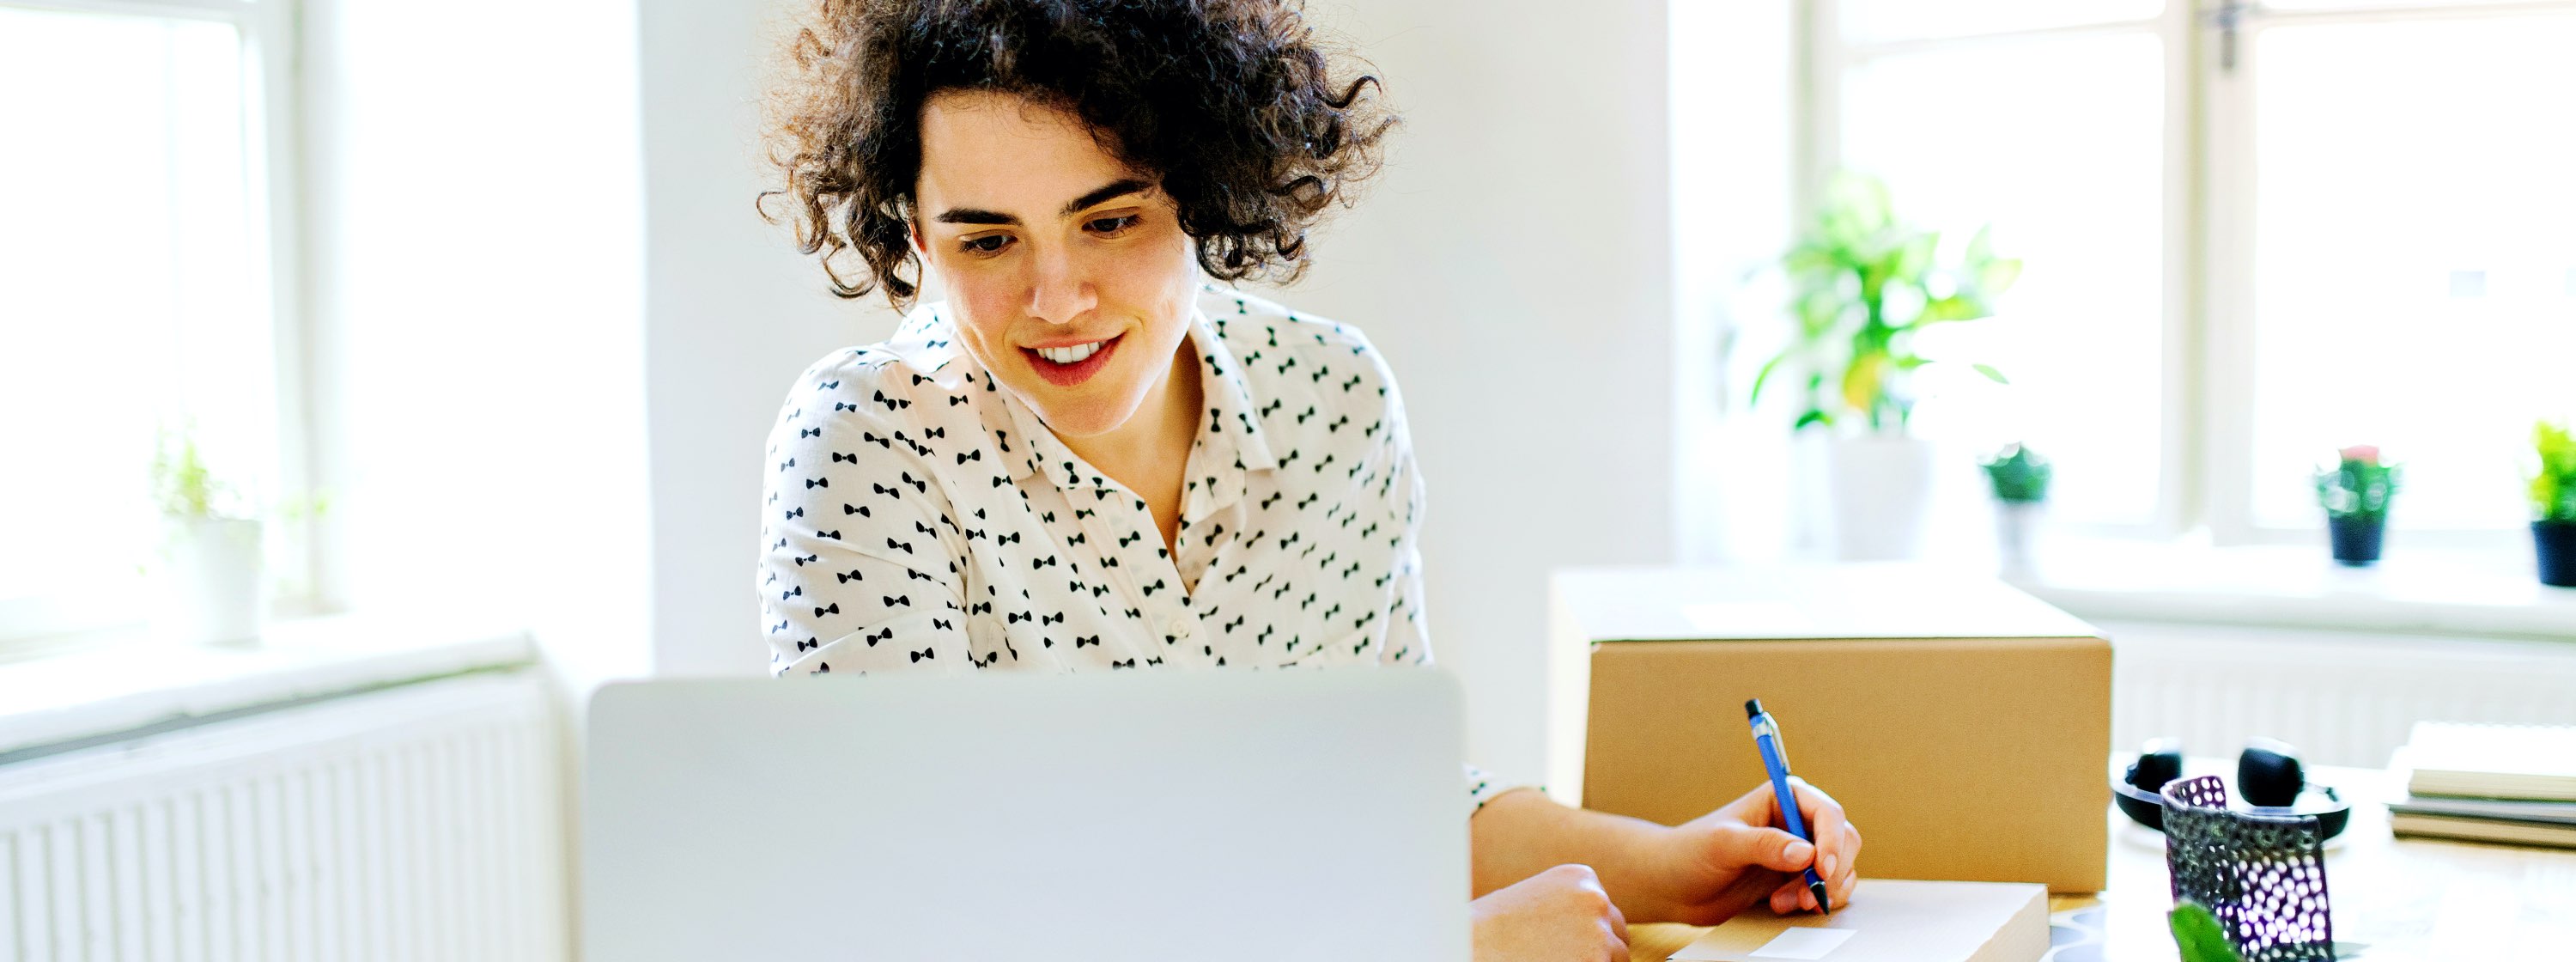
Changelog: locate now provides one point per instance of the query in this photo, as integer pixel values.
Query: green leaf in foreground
(2199, 936)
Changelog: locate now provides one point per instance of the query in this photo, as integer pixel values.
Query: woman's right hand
(1559, 915)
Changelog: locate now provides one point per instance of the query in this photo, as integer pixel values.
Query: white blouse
(918, 517)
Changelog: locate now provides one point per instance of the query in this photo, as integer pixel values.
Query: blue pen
(1766, 736)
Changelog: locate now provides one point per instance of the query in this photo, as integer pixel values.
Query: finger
(1736, 846)
(1825, 823)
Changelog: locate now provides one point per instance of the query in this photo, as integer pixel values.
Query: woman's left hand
(1740, 856)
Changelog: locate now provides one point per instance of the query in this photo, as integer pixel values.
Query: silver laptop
(1271, 815)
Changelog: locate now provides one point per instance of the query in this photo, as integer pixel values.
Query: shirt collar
(1230, 441)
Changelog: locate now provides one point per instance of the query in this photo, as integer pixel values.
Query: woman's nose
(1061, 290)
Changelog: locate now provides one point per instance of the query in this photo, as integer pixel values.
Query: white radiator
(2343, 698)
(421, 822)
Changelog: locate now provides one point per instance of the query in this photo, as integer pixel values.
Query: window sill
(2419, 590)
(120, 686)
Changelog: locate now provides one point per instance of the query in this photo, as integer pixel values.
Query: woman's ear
(912, 234)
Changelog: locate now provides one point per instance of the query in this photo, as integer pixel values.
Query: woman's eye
(1112, 225)
(987, 244)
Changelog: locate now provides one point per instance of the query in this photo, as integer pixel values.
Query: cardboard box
(1960, 722)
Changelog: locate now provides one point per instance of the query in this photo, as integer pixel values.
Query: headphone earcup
(2268, 774)
(2159, 762)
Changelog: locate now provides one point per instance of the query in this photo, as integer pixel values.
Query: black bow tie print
(809, 643)
(779, 627)
(891, 403)
(888, 492)
(918, 379)
(871, 438)
(832, 609)
(1037, 563)
(925, 529)
(838, 457)
(956, 399)
(887, 635)
(934, 432)
(924, 653)
(795, 512)
(1011, 538)
(847, 578)
(941, 623)
(1086, 640)
(844, 406)
(974, 455)
(1129, 663)
(789, 463)
(826, 668)
(1054, 619)
(892, 544)
(812, 483)
(828, 385)
(800, 562)
(810, 433)
(848, 509)
(893, 600)
(917, 576)
(917, 485)
(791, 592)
(1015, 617)
(834, 535)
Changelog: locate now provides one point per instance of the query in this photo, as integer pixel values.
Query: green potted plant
(1864, 283)
(2019, 478)
(211, 586)
(2355, 493)
(2553, 504)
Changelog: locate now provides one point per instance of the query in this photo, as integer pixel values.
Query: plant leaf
(2199, 936)
(1991, 374)
(1765, 375)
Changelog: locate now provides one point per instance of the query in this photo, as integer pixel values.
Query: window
(140, 282)
(2254, 233)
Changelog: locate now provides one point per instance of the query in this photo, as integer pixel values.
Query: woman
(1090, 456)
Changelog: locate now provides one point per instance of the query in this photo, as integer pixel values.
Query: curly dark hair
(1232, 104)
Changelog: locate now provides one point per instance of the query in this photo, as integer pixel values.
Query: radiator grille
(417, 823)
(2342, 698)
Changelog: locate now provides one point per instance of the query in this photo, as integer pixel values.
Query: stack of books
(2489, 783)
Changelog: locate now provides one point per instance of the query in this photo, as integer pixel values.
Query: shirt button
(1179, 629)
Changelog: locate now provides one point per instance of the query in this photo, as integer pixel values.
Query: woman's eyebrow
(1108, 191)
(1115, 188)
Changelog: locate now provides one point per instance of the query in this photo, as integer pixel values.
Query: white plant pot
(212, 587)
(2016, 528)
(1881, 491)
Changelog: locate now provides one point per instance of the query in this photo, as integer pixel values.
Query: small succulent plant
(2018, 474)
(2553, 486)
(2358, 486)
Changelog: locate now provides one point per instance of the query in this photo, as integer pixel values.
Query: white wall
(1513, 263)
(475, 318)
(732, 312)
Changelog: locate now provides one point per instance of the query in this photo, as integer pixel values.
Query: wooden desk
(2400, 900)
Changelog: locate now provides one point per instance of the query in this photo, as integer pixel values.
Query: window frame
(2207, 420)
(271, 56)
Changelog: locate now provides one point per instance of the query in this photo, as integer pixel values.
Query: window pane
(1875, 21)
(2070, 173)
(2415, 277)
(132, 291)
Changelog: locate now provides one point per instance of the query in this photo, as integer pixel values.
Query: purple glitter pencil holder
(2263, 875)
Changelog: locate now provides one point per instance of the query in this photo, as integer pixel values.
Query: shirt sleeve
(860, 556)
(1408, 637)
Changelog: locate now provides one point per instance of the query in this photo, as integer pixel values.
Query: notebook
(2531, 762)
(1892, 920)
(2554, 834)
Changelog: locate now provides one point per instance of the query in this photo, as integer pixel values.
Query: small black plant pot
(2356, 537)
(2556, 541)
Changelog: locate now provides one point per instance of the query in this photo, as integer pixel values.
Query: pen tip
(1823, 905)
(1752, 707)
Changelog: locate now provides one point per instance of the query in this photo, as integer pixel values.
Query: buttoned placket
(1212, 489)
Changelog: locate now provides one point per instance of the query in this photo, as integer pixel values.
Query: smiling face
(1067, 272)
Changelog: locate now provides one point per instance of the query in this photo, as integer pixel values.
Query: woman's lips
(1068, 375)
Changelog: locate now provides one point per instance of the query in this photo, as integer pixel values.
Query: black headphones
(2268, 778)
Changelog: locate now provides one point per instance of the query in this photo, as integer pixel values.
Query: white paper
(1749, 619)
(1802, 944)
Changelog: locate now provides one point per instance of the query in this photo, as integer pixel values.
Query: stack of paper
(2494, 783)
(1893, 921)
